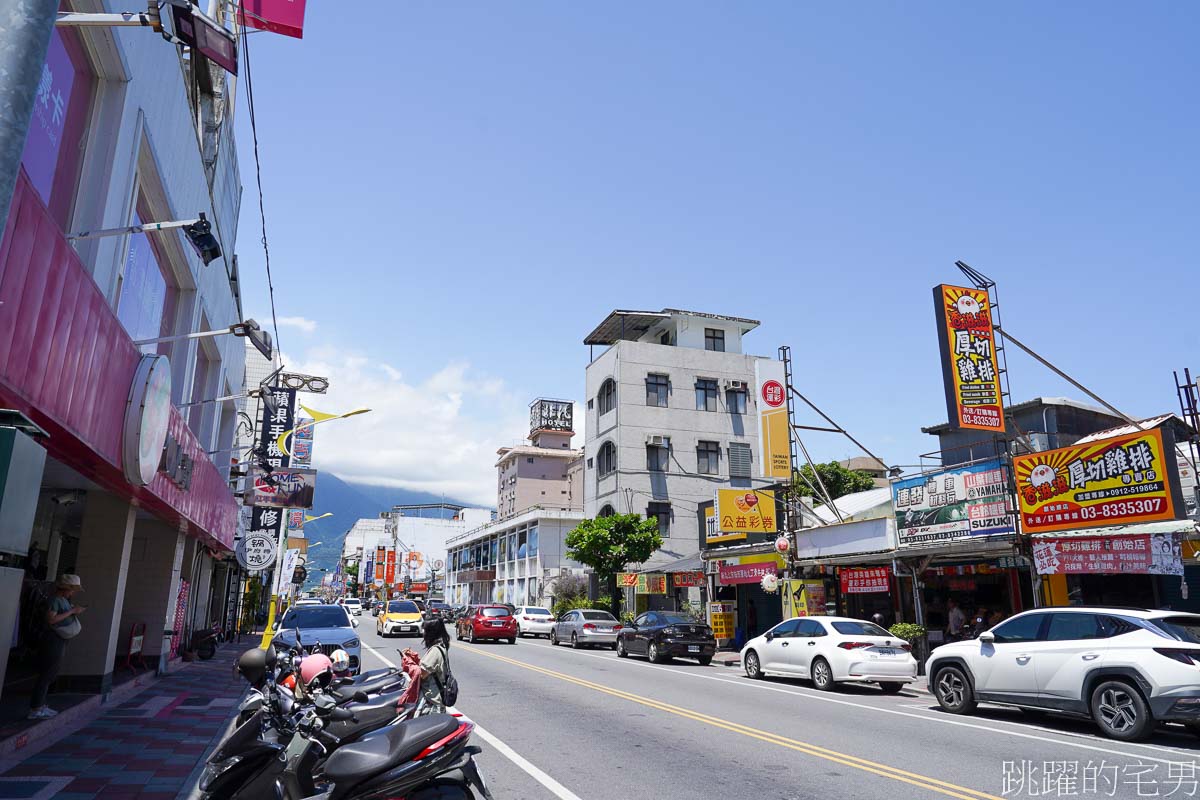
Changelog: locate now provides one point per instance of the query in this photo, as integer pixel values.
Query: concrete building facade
(670, 417)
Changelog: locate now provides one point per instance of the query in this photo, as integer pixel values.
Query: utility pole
(25, 28)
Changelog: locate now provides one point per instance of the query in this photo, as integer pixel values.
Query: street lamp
(249, 329)
(198, 231)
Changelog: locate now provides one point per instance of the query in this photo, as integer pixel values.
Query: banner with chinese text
(272, 426)
(741, 511)
(952, 504)
(865, 581)
(1116, 481)
(774, 443)
(389, 573)
(968, 354)
(730, 574)
(1141, 554)
(380, 559)
(626, 580)
(652, 583)
(720, 619)
(683, 579)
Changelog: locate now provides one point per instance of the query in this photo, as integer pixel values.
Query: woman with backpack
(62, 623)
(437, 684)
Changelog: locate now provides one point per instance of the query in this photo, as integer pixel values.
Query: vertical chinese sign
(967, 343)
(380, 559)
(389, 576)
(774, 444)
(273, 425)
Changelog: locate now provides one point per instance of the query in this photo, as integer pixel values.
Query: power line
(262, 213)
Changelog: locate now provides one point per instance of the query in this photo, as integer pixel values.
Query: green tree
(838, 481)
(608, 544)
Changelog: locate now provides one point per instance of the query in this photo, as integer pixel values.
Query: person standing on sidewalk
(433, 667)
(62, 623)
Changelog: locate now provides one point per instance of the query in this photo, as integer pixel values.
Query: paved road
(585, 724)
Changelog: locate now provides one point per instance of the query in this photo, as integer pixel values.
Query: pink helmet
(316, 670)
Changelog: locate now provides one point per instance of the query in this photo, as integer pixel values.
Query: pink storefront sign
(67, 362)
(278, 16)
(730, 574)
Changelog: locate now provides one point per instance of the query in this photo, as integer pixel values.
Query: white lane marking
(927, 716)
(553, 786)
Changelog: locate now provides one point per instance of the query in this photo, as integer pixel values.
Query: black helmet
(252, 665)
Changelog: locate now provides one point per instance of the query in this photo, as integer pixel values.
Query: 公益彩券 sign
(968, 354)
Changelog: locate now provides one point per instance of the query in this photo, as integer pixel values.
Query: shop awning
(959, 550)
(1185, 527)
(692, 563)
(733, 551)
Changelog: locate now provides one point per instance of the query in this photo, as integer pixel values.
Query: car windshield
(599, 615)
(315, 617)
(494, 612)
(856, 628)
(676, 619)
(1186, 629)
(402, 607)
(532, 610)
(352, 601)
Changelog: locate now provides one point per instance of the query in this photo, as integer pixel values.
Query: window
(708, 458)
(739, 460)
(57, 127)
(601, 616)
(859, 629)
(785, 629)
(735, 401)
(664, 338)
(706, 394)
(522, 545)
(657, 456)
(810, 628)
(607, 398)
(529, 459)
(1067, 627)
(661, 512)
(533, 541)
(591, 404)
(146, 299)
(1020, 629)
(606, 460)
(504, 549)
(644, 620)
(657, 387)
(591, 463)
(1185, 629)
(714, 339)
(606, 511)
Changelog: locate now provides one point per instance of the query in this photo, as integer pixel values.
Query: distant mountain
(348, 503)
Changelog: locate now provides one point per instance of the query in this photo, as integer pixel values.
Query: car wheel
(575, 640)
(655, 655)
(470, 638)
(704, 660)
(891, 687)
(751, 665)
(512, 640)
(953, 691)
(822, 675)
(621, 651)
(520, 633)
(1121, 712)
(554, 638)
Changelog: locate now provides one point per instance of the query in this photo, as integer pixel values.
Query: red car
(487, 622)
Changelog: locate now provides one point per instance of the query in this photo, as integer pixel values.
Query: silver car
(322, 629)
(586, 627)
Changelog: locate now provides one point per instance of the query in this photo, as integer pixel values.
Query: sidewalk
(149, 747)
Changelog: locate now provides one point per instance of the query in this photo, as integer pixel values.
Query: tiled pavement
(145, 748)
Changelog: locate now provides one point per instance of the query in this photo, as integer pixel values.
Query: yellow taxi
(399, 617)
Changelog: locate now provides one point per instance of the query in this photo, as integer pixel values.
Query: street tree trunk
(615, 595)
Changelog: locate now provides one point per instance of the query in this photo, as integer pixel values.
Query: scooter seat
(369, 716)
(372, 686)
(388, 747)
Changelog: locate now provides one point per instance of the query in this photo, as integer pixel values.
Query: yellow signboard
(720, 619)
(743, 511)
(802, 598)
(774, 444)
(1115, 481)
(627, 579)
(968, 353)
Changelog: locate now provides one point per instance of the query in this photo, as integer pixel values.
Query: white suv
(353, 605)
(1125, 668)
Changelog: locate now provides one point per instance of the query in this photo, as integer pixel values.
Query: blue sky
(457, 193)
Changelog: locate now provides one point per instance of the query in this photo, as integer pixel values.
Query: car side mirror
(987, 637)
(632, 626)
(769, 636)
(354, 622)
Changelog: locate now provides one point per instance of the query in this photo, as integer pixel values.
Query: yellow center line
(923, 781)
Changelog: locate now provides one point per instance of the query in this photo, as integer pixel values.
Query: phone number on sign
(1123, 508)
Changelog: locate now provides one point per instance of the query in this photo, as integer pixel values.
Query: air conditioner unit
(735, 385)
(658, 440)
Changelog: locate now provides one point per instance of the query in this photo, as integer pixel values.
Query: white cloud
(300, 323)
(438, 434)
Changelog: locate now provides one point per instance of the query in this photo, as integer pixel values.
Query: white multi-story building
(670, 418)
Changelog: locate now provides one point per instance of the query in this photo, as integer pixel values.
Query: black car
(663, 635)
(443, 610)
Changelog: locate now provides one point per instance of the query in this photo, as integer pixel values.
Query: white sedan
(829, 650)
(534, 621)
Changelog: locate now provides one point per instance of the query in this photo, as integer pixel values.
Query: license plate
(497, 624)
(406, 627)
(693, 648)
(887, 651)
